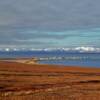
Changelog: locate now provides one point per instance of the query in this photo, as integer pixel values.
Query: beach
(33, 81)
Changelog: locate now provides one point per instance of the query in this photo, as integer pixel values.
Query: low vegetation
(45, 82)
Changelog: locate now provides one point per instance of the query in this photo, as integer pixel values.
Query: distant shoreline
(35, 60)
(21, 60)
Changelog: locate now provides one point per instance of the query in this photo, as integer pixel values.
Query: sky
(49, 23)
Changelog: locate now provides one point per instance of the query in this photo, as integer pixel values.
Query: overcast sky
(49, 23)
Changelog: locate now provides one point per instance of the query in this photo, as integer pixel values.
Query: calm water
(58, 57)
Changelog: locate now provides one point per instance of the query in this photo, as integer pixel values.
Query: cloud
(50, 14)
(42, 39)
(49, 23)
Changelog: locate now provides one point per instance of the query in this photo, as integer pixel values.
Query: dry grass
(45, 82)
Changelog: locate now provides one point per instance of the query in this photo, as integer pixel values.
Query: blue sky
(49, 23)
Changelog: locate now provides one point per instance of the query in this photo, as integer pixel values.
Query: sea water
(72, 57)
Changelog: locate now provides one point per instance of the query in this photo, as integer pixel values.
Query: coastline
(21, 80)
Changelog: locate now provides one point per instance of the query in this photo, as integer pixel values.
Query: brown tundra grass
(45, 82)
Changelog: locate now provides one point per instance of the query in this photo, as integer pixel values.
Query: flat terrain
(19, 81)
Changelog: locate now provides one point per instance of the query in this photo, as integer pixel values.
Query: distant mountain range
(75, 49)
